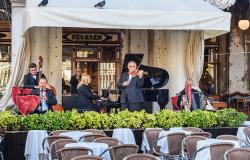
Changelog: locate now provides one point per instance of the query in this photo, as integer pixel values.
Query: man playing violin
(130, 83)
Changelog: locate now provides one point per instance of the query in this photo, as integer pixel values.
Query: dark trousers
(131, 106)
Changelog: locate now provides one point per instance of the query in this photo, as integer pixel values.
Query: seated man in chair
(47, 99)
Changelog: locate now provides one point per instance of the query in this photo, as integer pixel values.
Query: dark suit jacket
(30, 82)
(85, 97)
(132, 92)
(51, 99)
(73, 82)
(196, 99)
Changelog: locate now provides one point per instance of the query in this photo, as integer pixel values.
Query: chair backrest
(94, 131)
(193, 129)
(190, 144)
(57, 132)
(71, 152)
(51, 139)
(119, 152)
(238, 153)
(152, 135)
(87, 158)
(218, 150)
(59, 144)
(108, 140)
(227, 137)
(140, 156)
(202, 134)
(91, 137)
(175, 142)
(246, 131)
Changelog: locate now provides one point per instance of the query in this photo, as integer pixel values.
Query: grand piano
(155, 79)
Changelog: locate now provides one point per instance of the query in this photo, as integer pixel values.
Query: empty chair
(119, 152)
(190, 144)
(108, 140)
(71, 152)
(59, 144)
(141, 157)
(203, 134)
(193, 129)
(94, 131)
(91, 137)
(247, 133)
(217, 150)
(238, 154)
(152, 135)
(57, 132)
(227, 137)
(87, 158)
(174, 141)
(51, 139)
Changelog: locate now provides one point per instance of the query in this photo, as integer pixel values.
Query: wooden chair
(227, 137)
(141, 157)
(51, 139)
(202, 134)
(152, 135)
(108, 140)
(71, 152)
(217, 150)
(190, 144)
(193, 129)
(174, 145)
(87, 158)
(238, 153)
(94, 131)
(214, 97)
(59, 144)
(91, 137)
(119, 152)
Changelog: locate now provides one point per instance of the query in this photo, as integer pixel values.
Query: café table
(124, 135)
(75, 134)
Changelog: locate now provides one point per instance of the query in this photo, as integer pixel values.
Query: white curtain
(195, 57)
(221, 4)
(18, 71)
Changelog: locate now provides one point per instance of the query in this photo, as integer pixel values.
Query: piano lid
(156, 78)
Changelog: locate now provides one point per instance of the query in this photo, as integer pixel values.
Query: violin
(40, 66)
(136, 73)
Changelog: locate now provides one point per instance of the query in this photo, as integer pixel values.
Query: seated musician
(130, 83)
(74, 81)
(47, 99)
(31, 79)
(189, 98)
(86, 95)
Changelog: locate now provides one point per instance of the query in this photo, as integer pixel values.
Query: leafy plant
(230, 118)
(168, 119)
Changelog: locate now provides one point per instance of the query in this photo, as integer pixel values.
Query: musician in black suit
(74, 81)
(47, 99)
(86, 95)
(189, 98)
(31, 79)
(130, 83)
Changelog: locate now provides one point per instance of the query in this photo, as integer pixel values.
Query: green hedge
(165, 119)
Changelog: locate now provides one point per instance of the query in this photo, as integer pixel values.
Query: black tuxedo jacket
(132, 92)
(51, 99)
(74, 82)
(30, 82)
(86, 97)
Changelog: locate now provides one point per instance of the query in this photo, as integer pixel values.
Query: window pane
(4, 52)
(4, 76)
(83, 52)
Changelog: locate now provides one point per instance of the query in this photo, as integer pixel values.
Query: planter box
(13, 145)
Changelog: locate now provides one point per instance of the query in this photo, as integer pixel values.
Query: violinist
(32, 78)
(130, 83)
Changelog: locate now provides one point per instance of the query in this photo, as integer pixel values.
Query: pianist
(130, 83)
(189, 99)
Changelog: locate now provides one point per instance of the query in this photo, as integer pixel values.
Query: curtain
(18, 71)
(195, 57)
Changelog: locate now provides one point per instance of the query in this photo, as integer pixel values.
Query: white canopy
(129, 14)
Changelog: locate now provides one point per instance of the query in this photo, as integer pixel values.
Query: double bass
(40, 73)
